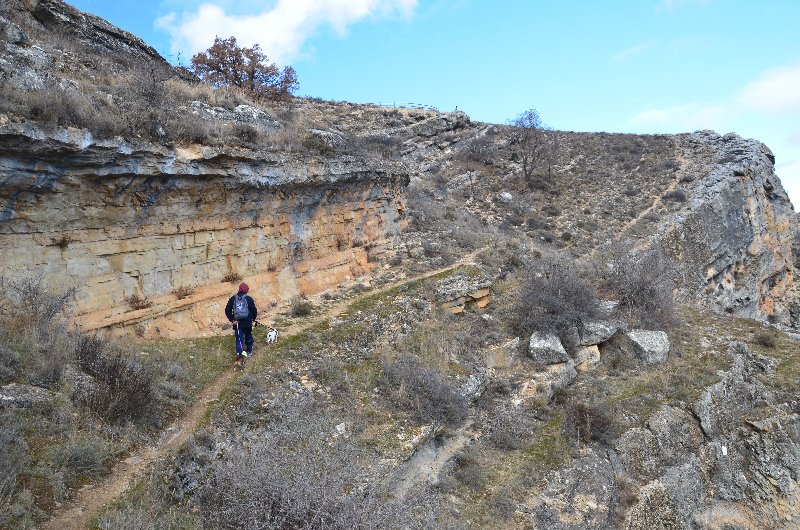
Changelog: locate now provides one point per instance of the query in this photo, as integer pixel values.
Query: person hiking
(241, 312)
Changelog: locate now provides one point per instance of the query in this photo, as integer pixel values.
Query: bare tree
(535, 144)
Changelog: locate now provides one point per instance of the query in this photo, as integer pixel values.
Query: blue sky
(643, 66)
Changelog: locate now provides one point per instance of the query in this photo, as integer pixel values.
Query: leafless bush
(675, 196)
(55, 106)
(15, 453)
(9, 364)
(555, 299)
(384, 145)
(479, 149)
(513, 429)
(33, 329)
(123, 389)
(183, 291)
(643, 282)
(138, 302)
(14, 463)
(318, 145)
(232, 277)
(29, 299)
(589, 423)
(421, 391)
(765, 339)
(82, 457)
(301, 307)
(468, 470)
(297, 477)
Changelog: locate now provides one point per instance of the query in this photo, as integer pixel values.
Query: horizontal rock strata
(117, 219)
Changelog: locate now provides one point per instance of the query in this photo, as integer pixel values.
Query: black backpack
(241, 311)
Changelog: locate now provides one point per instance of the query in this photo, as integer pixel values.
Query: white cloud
(280, 30)
(632, 51)
(776, 90)
(689, 117)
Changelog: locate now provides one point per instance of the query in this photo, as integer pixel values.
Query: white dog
(272, 336)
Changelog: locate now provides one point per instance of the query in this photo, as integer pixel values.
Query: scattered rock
(545, 383)
(587, 359)
(652, 347)
(506, 197)
(503, 355)
(457, 293)
(23, 396)
(474, 386)
(546, 349)
(596, 332)
(655, 511)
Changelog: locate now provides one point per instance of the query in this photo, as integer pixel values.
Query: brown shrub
(425, 394)
(183, 291)
(301, 307)
(297, 477)
(232, 277)
(589, 423)
(138, 302)
(643, 283)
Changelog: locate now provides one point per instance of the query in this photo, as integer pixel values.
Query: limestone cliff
(116, 218)
(734, 239)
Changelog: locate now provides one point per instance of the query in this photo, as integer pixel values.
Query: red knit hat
(243, 288)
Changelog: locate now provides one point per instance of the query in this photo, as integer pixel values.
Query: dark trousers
(244, 339)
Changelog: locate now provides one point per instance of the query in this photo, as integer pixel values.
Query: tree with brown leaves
(225, 63)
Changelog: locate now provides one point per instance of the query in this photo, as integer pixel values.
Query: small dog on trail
(272, 336)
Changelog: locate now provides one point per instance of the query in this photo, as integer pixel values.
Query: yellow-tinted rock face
(116, 220)
(734, 240)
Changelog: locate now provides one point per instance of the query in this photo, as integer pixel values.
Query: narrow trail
(428, 462)
(90, 500)
(640, 245)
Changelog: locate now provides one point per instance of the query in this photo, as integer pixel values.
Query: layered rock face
(734, 241)
(116, 219)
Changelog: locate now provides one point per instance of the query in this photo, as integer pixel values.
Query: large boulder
(546, 349)
(597, 332)
(23, 396)
(652, 347)
(545, 383)
(670, 436)
(656, 510)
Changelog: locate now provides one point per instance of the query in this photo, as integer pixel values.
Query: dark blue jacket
(246, 323)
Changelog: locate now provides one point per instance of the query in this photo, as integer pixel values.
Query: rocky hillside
(269, 192)
(577, 341)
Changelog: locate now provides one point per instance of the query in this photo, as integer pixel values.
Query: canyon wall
(116, 219)
(734, 239)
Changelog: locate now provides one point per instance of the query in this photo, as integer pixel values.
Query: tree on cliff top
(225, 64)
